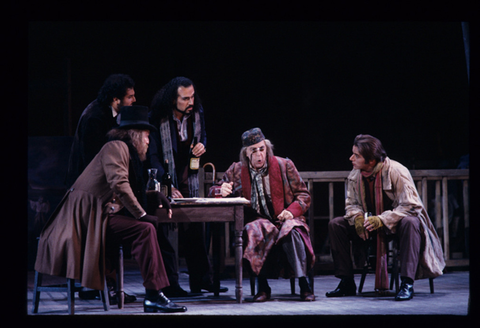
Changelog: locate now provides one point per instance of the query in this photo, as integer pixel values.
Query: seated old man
(108, 201)
(276, 235)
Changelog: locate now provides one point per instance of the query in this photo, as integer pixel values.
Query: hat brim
(139, 126)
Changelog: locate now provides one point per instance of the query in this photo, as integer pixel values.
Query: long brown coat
(72, 243)
(398, 185)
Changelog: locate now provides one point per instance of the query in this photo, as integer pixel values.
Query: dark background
(310, 86)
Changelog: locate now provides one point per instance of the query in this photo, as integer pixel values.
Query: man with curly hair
(97, 119)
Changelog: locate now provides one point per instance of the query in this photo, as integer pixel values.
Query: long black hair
(164, 100)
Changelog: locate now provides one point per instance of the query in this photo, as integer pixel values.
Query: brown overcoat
(72, 243)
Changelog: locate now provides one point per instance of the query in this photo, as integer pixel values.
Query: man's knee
(409, 223)
(335, 223)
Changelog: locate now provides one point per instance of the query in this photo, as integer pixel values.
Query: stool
(70, 288)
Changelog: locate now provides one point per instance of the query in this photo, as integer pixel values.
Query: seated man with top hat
(108, 203)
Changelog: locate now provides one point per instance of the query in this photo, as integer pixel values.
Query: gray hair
(243, 152)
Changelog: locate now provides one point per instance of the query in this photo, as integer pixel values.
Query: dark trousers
(192, 243)
(142, 237)
(407, 233)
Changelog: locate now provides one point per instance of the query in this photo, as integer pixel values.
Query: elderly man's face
(257, 154)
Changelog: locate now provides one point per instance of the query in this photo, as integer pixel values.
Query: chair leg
(430, 280)
(120, 272)
(71, 295)
(292, 286)
(311, 275)
(362, 280)
(104, 297)
(36, 292)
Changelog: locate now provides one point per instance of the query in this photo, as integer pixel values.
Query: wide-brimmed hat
(135, 117)
(252, 137)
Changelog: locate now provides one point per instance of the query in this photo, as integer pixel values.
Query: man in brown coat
(275, 225)
(385, 188)
(107, 203)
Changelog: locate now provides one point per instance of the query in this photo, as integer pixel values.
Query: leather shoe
(209, 288)
(405, 293)
(162, 304)
(307, 296)
(262, 296)
(346, 287)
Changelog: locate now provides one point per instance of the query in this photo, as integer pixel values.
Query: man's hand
(359, 227)
(158, 200)
(176, 193)
(199, 149)
(163, 202)
(227, 188)
(285, 215)
(373, 223)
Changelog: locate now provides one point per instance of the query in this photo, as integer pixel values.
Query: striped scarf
(258, 193)
(166, 140)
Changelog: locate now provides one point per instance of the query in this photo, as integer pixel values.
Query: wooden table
(213, 210)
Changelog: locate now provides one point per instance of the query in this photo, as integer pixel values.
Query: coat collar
(276, 184)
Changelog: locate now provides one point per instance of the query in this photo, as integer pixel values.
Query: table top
(178, 202)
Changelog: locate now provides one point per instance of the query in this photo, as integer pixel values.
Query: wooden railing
(425, 180)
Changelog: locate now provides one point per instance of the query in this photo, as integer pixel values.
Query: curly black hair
(115, 86)
(164, 100)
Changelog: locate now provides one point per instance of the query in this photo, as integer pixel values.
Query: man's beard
(142, 153)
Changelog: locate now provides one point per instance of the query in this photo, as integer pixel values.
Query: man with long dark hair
(386, 189)
(97, 119)
(107, 204)
(177, 112)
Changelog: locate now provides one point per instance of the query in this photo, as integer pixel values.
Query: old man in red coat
(276, 228)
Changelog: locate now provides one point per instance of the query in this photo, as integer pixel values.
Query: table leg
(238, 265)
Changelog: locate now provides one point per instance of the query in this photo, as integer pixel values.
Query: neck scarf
(258, 201)
(381, 274)
(166, 140)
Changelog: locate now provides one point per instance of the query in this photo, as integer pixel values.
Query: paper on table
(236, 200)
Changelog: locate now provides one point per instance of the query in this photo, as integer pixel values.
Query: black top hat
(135, 117)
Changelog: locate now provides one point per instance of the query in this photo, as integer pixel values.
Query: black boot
(156, 301)
(264, 290)
(306, 293)
(406, 290)
(346, 287)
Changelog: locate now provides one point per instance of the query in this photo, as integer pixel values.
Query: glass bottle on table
(152, 183)
(166, 186)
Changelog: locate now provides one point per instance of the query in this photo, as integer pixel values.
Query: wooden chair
(393, 256)
(70, 288)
